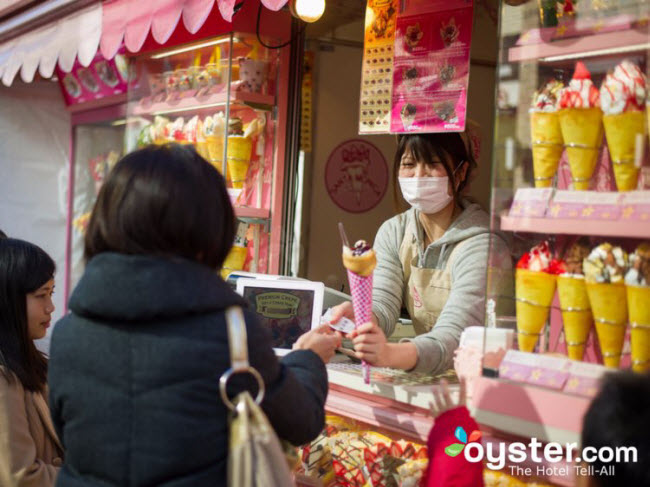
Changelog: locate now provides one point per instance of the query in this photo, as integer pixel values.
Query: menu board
(377, 67)
(431, 66)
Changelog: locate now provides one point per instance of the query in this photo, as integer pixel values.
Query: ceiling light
(307, 10)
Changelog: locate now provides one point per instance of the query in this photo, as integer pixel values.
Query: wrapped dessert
(535, 280)
(546, 136)
(214, 133)
(239, 151)
(574, 301)
(604, 271)
(360, 262)
(637, 280)
(581, 125)
(622, 99)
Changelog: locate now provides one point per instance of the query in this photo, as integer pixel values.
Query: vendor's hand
(370, 344)
(442, 401)
(343, 310)
(323, 341)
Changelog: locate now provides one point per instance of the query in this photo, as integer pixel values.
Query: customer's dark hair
(449, 148)
(619, 416)
(163, 200)
(24, 268)
(2, 234)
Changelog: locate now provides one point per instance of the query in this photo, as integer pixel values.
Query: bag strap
(238, 345)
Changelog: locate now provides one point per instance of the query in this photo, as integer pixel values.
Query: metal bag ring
(640, 325)
(526, 301)
(640, 362)
(574, 310)
(530, 333)
(541, 178)
(223, 382)
(612, 354)
(624, 161)
(575, 344)
(547, 143)
(581, 146)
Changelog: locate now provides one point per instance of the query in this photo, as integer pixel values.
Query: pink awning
(78, 35)
(131, 20)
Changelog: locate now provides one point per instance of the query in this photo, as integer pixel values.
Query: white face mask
(429, 195)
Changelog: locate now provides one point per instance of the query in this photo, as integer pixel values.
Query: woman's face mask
(427, 194)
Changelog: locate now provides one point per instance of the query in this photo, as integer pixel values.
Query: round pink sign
(356, 176)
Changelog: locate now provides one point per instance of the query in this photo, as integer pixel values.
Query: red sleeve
(447, 470)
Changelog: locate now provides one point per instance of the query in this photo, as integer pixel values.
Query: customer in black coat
(134, 369)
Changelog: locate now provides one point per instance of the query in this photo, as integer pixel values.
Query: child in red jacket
(453, 428)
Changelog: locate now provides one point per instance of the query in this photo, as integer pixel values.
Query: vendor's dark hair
(163, 200)
(619, 416)
(24, 268)
(449, 148)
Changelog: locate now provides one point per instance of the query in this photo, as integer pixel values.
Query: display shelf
(407, 421)
(529, 411)
(599, 43)
(576, 226)
(252, 215)
(194, 104)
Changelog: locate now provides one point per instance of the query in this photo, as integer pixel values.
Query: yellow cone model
(581, 125)
(622, 97)
(535, 289)
(546, 136)
(574, 301)
(604, 272)
(637, 281)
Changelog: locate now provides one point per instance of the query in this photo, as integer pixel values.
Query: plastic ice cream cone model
(239, 151)
(535, 280)
(213, 131)
(189, 131)
(360, 262)
(637, 281)
(160, 125)
(581, 124)
(546, 136)
(574, 301)
(622, 99)
(176, 131)
(236, 258)
(604, 270)
(201, 143)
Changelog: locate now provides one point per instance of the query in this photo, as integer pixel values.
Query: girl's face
(39, 310)
(409, 167)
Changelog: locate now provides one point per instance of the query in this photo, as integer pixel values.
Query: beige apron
(427, 290)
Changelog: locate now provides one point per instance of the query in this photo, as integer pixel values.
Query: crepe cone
(582, 133)
(215, 151)
(621, 131)
(202, 149)
(638, 298)
(361, 290)
(239, 157)
(546, 138)
(535, 291)
(576, 314)
(609, 306)
(235, 260)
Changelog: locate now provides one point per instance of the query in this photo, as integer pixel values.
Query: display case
(570, 203)
(221, 97)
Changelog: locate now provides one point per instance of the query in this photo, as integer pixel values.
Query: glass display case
(220, 96)
(570, 173)
(570, 212)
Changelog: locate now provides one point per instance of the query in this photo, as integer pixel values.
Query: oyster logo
(455, 449)
(277, 305)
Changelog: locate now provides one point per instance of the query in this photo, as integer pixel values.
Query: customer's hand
(442, 401)
(370, 344)
(343, 310)
(323, 341)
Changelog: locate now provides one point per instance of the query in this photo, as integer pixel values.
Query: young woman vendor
(431, 259)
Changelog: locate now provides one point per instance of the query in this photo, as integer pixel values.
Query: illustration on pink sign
(356, 176)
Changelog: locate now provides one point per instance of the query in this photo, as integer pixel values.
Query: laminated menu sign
(377, 70)
(587, 205)
(531, 202)
(431, 66)
(635, 206)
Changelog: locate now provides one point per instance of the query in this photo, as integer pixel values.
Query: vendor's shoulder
(398, 223)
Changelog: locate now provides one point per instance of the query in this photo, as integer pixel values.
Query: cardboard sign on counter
(531, 368)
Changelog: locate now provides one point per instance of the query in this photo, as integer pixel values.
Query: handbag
(255, 455)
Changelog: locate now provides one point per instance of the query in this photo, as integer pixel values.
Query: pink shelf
(253, 213)
(576, 227)
(585, 44)
(192, 104)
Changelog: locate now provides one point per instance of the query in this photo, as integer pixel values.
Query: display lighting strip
(192, 48)
(189, 109)
(598, 52)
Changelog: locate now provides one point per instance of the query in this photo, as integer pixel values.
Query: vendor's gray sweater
(466, 303)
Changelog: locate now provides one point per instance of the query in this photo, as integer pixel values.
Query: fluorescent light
(189, 109)
(191, 48)
(598, 52)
